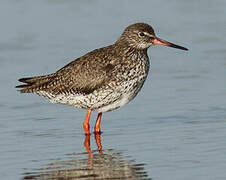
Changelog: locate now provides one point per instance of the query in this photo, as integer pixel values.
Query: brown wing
(82, 75)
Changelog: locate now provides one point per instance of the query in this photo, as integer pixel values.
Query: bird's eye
(141, 34)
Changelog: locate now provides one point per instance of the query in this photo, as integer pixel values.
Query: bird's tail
(33, 84)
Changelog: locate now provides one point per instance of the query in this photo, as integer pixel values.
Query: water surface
(174, 129)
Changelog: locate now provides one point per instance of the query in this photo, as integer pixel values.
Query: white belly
(118, 103)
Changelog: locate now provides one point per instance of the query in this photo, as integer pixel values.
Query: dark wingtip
(24, 80)
(22, 86)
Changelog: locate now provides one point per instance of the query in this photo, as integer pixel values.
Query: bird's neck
(126, 50)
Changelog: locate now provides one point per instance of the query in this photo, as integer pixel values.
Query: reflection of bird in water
(104, 79)
(100, 165)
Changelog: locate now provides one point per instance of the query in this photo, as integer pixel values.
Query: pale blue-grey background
(176, 125)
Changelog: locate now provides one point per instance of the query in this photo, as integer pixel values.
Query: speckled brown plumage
(83, 75)
(103, 79)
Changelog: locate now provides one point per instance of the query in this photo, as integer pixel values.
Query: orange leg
(97, 125)
(98, 142)
(88, 149)
(86, 122)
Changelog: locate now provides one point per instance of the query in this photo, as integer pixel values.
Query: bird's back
(82, 75)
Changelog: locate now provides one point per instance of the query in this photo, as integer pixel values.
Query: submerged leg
(98, 142)
(97, 125)
(88, 149)
(86, 122)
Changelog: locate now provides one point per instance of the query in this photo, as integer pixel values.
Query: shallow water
(175, 128)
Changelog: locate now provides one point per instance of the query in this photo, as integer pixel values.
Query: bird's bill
(158, 41)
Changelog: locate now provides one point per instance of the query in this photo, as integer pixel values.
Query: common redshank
(103, 79)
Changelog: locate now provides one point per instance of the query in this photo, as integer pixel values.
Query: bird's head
(142, 36)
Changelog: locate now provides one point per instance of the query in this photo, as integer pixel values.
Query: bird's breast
(135, 69)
